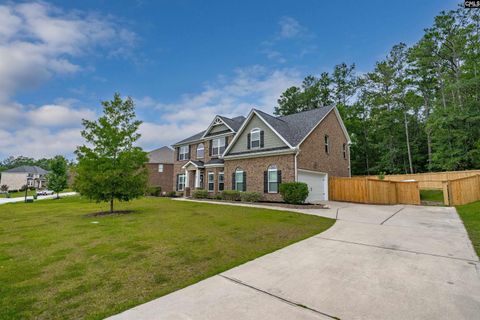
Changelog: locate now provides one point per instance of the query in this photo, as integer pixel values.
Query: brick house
(160, 168)
(260, 151)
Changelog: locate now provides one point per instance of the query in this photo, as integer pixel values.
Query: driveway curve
(376, 262)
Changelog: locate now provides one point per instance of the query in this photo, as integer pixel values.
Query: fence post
(446, 193)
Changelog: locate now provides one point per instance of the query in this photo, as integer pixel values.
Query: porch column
(197, 179)
(187, 184)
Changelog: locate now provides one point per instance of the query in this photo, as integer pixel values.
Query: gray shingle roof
(292, 128)
(215, 161)
(161, 155)
(295, 127)
(28, 169)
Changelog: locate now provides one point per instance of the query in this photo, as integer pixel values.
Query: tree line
(418, 110)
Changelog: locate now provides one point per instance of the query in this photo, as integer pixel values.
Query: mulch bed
(108, 213)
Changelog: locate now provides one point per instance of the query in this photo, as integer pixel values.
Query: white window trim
(221, 143)
(272, 168)
(160, 167)
(202, 149)
(183, 155)
(238, 172)
(212, 175)
(180, 176)
(256, 131)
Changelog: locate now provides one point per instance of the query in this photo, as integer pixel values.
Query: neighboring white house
(16, 178)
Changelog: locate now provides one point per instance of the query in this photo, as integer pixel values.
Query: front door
(201, 180)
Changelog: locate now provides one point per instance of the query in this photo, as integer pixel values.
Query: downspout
(296, 169)
(349, 163)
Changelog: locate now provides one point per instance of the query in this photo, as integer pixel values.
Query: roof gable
(161, 155)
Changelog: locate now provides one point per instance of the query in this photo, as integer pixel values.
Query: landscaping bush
(294, 192)
(154, 191)
(250, 196)
(232, 195)
(200, 194)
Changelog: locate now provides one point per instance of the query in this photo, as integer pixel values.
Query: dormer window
(200, 151)
(255, 138)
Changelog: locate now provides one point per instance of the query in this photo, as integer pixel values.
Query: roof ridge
(304, 111)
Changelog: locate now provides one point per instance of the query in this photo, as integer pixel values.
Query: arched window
(200, 150)
(272, 176)
(255, 138)
(239, 181)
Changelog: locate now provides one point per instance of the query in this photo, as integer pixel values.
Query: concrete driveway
(376, 262)
(22, 199)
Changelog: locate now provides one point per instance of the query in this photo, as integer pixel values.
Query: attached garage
(317, 184)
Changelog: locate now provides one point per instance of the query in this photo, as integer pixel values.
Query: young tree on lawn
(57, 178)
(111, 167)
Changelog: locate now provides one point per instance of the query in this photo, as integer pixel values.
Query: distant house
(160, 168)
(32, 176)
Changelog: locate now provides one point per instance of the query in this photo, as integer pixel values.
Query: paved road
(376, 262)
(21, 199)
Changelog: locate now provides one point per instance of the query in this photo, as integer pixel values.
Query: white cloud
(58, 116)
(248, 88)
(38, 40)
(290, 28)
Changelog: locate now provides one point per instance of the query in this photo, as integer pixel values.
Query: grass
(470, 214)
(431, 195)
(55, 263)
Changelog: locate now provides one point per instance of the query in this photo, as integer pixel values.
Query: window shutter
(226, 142)
(262, 138)
(248, 141)
(176, 186)
(244, 181)
(279, 179)
(233, 181)
(178, 153)
(265, 181)
(210, 146)
(189, 149)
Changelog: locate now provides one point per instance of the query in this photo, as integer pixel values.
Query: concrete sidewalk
(376, 262)
(22, 199)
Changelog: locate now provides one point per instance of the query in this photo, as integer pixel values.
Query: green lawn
(470, 214)
(431, 195)
(55, 263)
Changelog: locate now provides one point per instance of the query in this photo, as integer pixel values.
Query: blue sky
(181, 61)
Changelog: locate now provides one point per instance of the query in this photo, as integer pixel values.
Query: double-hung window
(160, 167)
(239, 180)
(344, 151)
(221, 181)
(183, 153)
(272, 179)
(255, 138)
(200, 151)
(211, 185)
(181, 182)
(218, 146)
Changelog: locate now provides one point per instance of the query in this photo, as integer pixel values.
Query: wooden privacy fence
(461, 191)
(430, 180)
(374, 191)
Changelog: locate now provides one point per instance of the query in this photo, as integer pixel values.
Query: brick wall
(255, 168)
(163, 179)
(312, 154)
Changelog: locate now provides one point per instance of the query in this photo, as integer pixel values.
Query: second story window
(327, 147)
(183, 153)
(200, 150)
(160, 168)
(218, 146)
(255, 138)
(345, 151)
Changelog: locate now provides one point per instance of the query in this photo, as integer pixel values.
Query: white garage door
(317, 185)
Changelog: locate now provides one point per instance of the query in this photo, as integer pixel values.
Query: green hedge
(154, 191)
(232, 195)
(250, 196)
(200, 194)
(294, 192)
